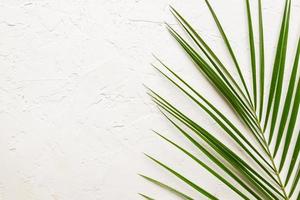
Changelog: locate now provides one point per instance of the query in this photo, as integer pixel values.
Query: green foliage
(260, 117)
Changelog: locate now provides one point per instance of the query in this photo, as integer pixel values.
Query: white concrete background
(74, 116)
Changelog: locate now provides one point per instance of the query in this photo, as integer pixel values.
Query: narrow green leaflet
(276, 67)
(293, 160)
(261, 58)
(278, 91)
(222, 32)
(206, 167)
(167, 187)
(146, 197)
(252, 53)
(295, 183)
(291, 126)
(184, 179)
(288, 100)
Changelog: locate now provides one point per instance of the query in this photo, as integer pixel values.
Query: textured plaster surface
(74, 115)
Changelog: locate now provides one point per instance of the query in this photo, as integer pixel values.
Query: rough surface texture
(74, 115)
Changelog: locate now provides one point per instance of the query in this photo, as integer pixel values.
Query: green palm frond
(272, 122)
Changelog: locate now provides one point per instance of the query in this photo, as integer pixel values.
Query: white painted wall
(74, 115)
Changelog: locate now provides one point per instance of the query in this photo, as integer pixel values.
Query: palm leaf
(263, 178)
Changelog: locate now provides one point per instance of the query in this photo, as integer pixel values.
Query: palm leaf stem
(276, 170)
(282, 186)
